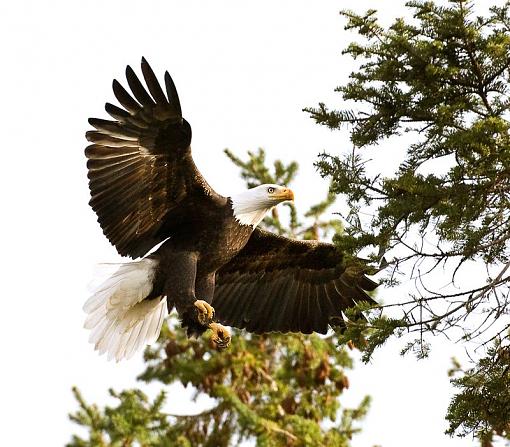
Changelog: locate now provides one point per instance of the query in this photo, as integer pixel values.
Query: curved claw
(205, 312)
(220, 336)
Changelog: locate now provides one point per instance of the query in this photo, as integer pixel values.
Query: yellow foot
(205, 312)
(220, 336)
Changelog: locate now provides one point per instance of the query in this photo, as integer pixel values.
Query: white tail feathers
(121, 322)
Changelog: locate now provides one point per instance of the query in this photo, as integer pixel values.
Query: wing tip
(129, 71)
(146, 68)
(88, 137)
(368, 284)
(171, 92)
(109, 107)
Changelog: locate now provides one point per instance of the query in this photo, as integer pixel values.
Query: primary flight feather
(214, 265)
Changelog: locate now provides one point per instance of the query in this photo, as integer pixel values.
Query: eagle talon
(205, 312)
(220, 336)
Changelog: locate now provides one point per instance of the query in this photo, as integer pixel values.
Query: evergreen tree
(442, 79)
(275, 390)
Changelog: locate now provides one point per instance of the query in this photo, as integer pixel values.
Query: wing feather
(137, 88)
(106, 140)
(276, 284)
(171, 91)
(125, 98)
(295, 312)
(102, 152)
(143, 182)
(314, 308)
(152, 83)
(271, 300)
(284, 321)
(304, 318)
(278, 300)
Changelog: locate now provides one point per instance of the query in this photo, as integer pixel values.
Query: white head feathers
(251, 206)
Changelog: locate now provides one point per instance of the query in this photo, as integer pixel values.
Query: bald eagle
(213, 264)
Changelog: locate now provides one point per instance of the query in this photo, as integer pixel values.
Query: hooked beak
(286, 194)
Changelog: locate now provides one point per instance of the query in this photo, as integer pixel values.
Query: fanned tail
(121, 320)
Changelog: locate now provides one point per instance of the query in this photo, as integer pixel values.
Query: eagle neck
(246, 212)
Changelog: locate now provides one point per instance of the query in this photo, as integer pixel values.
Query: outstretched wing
(143, 180)
(284, 285)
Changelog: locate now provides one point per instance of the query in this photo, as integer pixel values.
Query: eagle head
(250, 206)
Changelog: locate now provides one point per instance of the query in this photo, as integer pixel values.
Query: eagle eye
(270, 190)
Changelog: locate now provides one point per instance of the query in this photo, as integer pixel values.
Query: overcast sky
(244, 70)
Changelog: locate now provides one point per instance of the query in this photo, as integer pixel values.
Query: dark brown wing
(284, 285)
(143, 180)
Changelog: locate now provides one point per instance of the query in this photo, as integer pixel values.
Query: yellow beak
(286, 194)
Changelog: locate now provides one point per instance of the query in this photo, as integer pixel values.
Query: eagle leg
(220, 336)
(205, 313)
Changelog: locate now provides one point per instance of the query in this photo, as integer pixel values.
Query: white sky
(244, 70)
